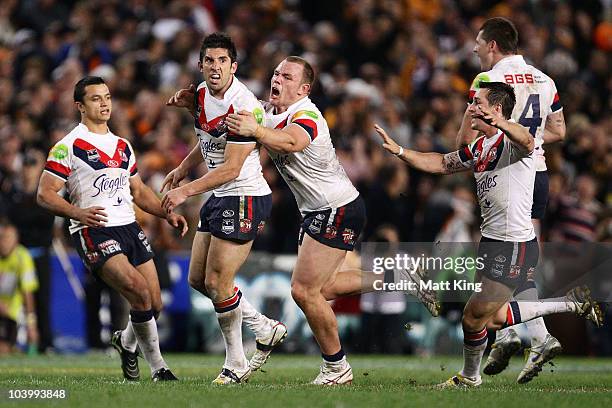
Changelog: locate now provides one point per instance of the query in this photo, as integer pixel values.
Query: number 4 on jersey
(535, 120)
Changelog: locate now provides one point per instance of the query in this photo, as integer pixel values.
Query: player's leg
(118, 273)
(8, 335)
(315, 265)
(224, 259)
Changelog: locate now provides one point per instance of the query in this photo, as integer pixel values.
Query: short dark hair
(219, 40)
(501, 93)
(79, 88)
(503, 32)
(308, 75)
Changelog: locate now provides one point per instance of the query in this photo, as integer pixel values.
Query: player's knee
(299, 293)
(138, 293)
(197, 283)
(473, 319)
(211, 287)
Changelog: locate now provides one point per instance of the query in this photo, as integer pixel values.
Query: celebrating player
(99, 172)
(298, 140)
(503, 164)
(236, 212)
(537, 108)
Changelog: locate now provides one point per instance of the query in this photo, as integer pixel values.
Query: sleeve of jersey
(132, 167)
(253, 106)
(466, 154)
(307, 120)
(27, 274)
(59, 161)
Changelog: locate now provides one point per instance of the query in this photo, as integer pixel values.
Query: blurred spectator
(17, 286)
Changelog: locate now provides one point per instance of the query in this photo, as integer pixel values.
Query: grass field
(380, 381)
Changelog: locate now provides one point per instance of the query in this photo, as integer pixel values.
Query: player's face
(480, 100)
(217, 68)
(484, 51)
(286, 86)
(97, 105)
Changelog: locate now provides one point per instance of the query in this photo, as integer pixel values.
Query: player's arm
(554, 129)
(193, 159)
(466, 134)
(48, 198)
(435, 163)
(146, 199)
(518, 134)
(291, 139)
(235, 155)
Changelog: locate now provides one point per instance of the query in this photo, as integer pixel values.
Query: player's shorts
(8, 330)
(336, 227)
(96, 245)
(540, 195)
(235, 218)
(509, 263)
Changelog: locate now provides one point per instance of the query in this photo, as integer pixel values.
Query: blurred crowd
(405, 64)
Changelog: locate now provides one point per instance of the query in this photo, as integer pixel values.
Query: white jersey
(212, 132)
(314, 175)
(96, 169)
(536, 97)
(504, 185)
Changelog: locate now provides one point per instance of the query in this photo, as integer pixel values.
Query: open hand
(92, 216)
(173, 179)
(183, 98)
(178, 221)
(388, 143)
(242, 123)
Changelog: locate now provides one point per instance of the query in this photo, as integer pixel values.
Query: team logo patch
(530, 273)
(492, 153)
(497, 270)
(122, 155)
(93, 155)
(348, 236)
(259, 115)
(261, 226)
(515, 271)
(228, 213)
(245, 225)
(330, 232)
(320, 217)
(315, 226)
(227, 226)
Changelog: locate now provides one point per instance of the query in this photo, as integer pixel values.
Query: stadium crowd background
(406, 65)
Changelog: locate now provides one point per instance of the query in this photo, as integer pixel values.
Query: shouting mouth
(274, 92)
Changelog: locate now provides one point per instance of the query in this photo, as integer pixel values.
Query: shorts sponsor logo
(515, 271)
(227, 226)
(531, 273)
(228, 213)
(141, 235)
(145, 242)
(500, 259)
(315, 226)
(320, 217)
(92, 256)
(93, 155)
(348, 236)
(497, 270)
(330, 232)
(245, 225)
(109, 247)
(261, 226)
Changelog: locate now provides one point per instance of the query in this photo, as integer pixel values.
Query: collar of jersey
(509, 60)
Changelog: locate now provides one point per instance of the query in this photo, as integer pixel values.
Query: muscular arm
(466, 134)
(145, 198)
(554, 130)
(288, 140)
(235, 155)
(518, 134)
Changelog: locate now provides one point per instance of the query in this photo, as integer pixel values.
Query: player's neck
(490, 131)
(283, 108)
(499, 57)
(95, 126)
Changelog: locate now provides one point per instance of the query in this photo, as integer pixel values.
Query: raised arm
(48, 198)
(434, 163)
(554, 129)
(466, 134)
(193, 159)
(235, 155)
(516, 133)
(184, 98)
(291, 139)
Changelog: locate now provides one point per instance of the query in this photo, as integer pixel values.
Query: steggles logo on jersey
(485, 185)
(211, 146)
(104, 184)
(281, 162)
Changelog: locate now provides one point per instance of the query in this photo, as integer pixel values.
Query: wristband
(401, 151)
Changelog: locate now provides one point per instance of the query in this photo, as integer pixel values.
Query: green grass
(380, 381)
